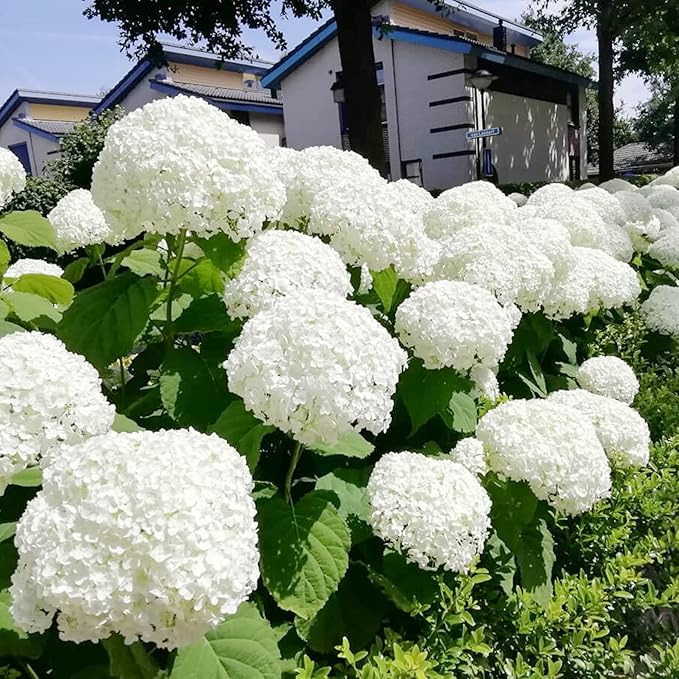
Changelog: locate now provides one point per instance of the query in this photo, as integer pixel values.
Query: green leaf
(354, 611)
(304, 552)
(129, 662)
(350, 487)
(202, 279)
(32, 308)
(75, 270)
(144, 262)
(4, 257)
(4, 310)
(242, 430)
(349, 444)
(7, 328)
(13, 640)
(384, 284)
(207, 314)
(426, 393)
(462, 413)
(535, 558)
(226, 255)
(56, 290)
(124, 424)
(28, 228)
(7, 530)
(30, 477)
(242, 647)
(187, 389)
(104, 321)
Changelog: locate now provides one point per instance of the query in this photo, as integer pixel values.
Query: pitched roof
(42, 97)
(57, 127)
(637, 157)
(228, 93)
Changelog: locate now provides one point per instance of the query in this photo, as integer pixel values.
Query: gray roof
(57, 127)
(637, 157)
(228, 93)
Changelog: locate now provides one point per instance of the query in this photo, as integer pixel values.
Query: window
(412, 170)
(21, 152)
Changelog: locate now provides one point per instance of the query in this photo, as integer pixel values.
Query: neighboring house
(638, 158)
(424, 59)
(231, 85)
(32, 123)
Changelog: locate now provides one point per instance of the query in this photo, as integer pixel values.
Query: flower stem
(296, 454)
(181, 242)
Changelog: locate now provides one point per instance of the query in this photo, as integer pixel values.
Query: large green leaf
(426, 393)
(226, 255)
(354, 611)
(129, 661)
(242, 430)
(350, 487)
(75, 270)
(33, 309)
(187, 389)
(384, 284)
(304, 551)
(349, 444)
(201, 279)
(28, 228)
(206, 314)
(4, 257)
(461, 413)
(104, 321)
(56, 290)
(144, 262)
(242, 647)
(7, 328)
(13, 640)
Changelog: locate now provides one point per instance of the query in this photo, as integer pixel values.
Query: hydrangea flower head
(12, 176)
(77, 222)
(609, 376)
(661, 310)
(29, 266)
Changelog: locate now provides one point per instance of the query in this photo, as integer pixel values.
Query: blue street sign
(487, 169)
(482, 134)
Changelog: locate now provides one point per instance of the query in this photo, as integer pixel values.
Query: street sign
(487, 168)
(482, 134)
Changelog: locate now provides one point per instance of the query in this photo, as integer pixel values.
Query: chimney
(500, 37)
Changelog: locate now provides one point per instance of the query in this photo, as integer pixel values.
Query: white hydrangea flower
(316, 366)
(551, 447)
(48, 396)
(434, 511)
(418, 199)
(605, 204)
(518, 198)
(365, 284)
(668, 222)
(551, 237)
(609, 376)
(455, 325)
(548, 193)
(151, 535)
(670, 178)
(586, 185)
(471, 454)
(623, 433)
(29, 266)
(280, 263)
(181, 163)
(665, 197)
(485, 383)
(593, 280)
(12, 176)
(465, 206)
(666, 249)
(77, 221)
(617, 185)
(661, 310)
(640, 220)
(500, 258)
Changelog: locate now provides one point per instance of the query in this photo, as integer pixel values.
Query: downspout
(398, 121)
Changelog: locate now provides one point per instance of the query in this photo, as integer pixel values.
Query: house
(429, 57)
(33, 122)
(638, 158)
(232, 85)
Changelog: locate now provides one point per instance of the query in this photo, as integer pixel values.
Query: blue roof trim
(427, 39)
(33, 96)
(123, 87)
(173, 91)
(303, 51)
(23, 125)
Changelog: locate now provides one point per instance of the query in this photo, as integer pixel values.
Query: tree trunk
(606, 108)
(364, 109)
(676, 132)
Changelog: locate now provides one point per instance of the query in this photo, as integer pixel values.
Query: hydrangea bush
(295, 403)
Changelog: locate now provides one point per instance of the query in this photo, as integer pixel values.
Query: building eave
(25, 125)
(20, 96)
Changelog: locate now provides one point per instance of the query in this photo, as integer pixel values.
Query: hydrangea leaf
(207, 314)
(349, 485)
(4, 257)
(121, 423)
(56, 290)
(7, 328)
(242, 430)
(13, 640)
(242, 647)
(7, 530)
(28, 227)
(349, 444)
(354, 611)
(32, 308)
(31, 477)
(224, 253)
(129, 661)
(104, 321)
(144, 262)
(305, 551)
(384, 284)
(201, 279)
(187, 389)
(75, 270)
(461, 414)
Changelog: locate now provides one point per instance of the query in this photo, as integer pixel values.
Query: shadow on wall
(534, 142)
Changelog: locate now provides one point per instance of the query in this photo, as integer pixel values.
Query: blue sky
(50, 45)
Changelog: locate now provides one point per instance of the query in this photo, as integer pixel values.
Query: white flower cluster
(607, 205)
(12, 176)
(663, 197)
(551, 447)
(455, 325)
(471, 454)
(181, 163)
(666, 249)
(622, 432)
(518, 198)
(671, 178)
(641, 223)
(280, 263)
(661, 310)
(549, 193)
(77, 221)
(316, 366)
(151, 535)
(29, 266)
(609, 376)
(617, 185)
(48, 396)
(433, 510)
